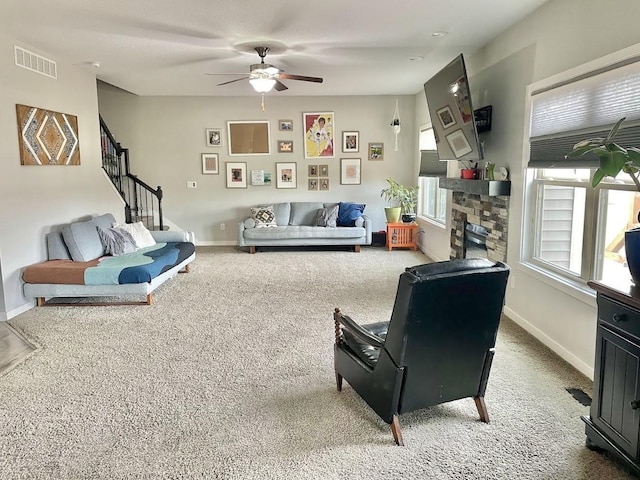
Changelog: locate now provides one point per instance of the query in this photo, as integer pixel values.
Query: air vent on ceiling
(35, 63)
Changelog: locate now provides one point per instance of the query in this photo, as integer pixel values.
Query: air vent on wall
(35, 63)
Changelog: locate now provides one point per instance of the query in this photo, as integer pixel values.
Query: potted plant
(405, 198)
(613, 160)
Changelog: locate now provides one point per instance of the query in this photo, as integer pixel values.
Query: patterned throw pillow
(327, 216)
(264, 216)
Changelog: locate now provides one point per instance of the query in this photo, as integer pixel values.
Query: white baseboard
(565, 354)
(16, 311)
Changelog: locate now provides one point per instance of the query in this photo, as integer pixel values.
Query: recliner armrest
(357, 331)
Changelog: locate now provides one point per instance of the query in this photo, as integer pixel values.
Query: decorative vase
(392, 214)
(632, 250)
(408, 217)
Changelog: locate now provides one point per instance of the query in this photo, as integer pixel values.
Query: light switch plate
(191, 184)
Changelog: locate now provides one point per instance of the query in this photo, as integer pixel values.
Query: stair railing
(142, 202)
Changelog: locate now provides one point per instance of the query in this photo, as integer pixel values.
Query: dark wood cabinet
(614, 420)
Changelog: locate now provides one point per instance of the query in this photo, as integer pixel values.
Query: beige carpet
(230, 375)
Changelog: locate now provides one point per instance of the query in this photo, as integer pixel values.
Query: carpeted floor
(230, 375)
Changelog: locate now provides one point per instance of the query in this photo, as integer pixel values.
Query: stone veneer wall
(490, 212)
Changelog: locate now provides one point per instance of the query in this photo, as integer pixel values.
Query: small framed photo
(313, 170)
(236, 174)
(324, 184)
(213, 137)
(376, 151)
(350, 142)
(210, 164)
(458, 143)
(285, 125)
(323, 170)
(350, 171)
(446, 117)
(257, 177)
(285, 146)
(286, 176)
(313, 184)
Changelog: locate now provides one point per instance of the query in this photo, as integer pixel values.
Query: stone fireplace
(483, 203)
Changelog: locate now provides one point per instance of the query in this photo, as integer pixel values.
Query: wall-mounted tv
(451, 112)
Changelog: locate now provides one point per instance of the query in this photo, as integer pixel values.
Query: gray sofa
(76, 251)
(296, 226)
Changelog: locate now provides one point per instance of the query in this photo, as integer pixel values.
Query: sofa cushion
(116, 241)
(56, 248)
(139, 232)
(264, 216)
(301, 232)
(327, 216)
(282, 212)
(304, 213)
(83, 241)
(348, 212)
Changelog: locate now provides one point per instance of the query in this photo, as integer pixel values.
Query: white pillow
(139, 232)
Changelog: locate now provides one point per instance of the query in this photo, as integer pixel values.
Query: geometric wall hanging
(46, 137)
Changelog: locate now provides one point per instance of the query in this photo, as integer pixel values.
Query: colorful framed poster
(318, 134)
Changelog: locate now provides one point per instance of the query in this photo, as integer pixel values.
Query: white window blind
(584, 107)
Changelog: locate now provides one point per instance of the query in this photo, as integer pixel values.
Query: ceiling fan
(263, 76)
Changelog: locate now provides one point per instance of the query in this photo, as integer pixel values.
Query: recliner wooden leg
(339, 381)
(482, 409)
(397, 431)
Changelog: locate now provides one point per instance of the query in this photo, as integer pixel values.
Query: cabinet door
(616, 389)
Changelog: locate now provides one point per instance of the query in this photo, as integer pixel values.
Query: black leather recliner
(438, 345)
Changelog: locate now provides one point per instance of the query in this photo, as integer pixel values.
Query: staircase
(142, 202)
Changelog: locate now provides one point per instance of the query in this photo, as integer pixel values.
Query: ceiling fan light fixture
(262, 85)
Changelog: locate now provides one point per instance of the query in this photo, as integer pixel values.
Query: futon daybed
(305, 224)
(78, 267)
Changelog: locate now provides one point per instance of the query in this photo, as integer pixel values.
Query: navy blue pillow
(348, 213)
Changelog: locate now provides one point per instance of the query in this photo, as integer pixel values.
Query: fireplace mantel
(479, 187)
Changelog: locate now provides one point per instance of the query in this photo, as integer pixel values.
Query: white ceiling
(165, 47)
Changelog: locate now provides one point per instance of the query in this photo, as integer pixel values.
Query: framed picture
(349, 171)
(249, 137)
(324, 184)
(213, 137)
(210, 163)
(313, 170)
(286, 176)
(318, 134)
(285, 146)
(313, 184)
(236, 174)
(323, 170)
(376, 151)
(458, 143)
(446, 117)
(350, 141)
(257, 177)
(286, 125)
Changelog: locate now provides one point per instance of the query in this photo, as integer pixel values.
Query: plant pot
(632, 250)
(467, 173)
(408, 217)
(393, 214)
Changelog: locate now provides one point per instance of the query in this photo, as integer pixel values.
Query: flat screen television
(451, 112)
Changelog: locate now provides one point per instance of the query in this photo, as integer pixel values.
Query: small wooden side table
(402, 235)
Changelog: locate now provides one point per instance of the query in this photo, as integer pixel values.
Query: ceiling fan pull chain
(262, 104)
(396, 125)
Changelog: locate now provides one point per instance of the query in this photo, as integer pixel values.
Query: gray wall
(34, 199)
(560, 35)
(166, 137)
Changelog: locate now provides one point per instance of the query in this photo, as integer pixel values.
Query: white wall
(33, 199)
(560, 35)
(166, 137)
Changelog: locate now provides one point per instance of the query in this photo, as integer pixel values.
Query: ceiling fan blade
(279, 86)
(300, 77)
(232, 73)
(232, 81)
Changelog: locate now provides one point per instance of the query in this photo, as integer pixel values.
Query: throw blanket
(140, 266)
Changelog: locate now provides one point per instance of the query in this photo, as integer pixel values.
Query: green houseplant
(613, 160)
(405, 198)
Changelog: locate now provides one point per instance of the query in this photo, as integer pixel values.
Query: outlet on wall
(192, 184)
(222, 226)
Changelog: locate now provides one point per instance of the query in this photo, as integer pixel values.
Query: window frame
(439, 206)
